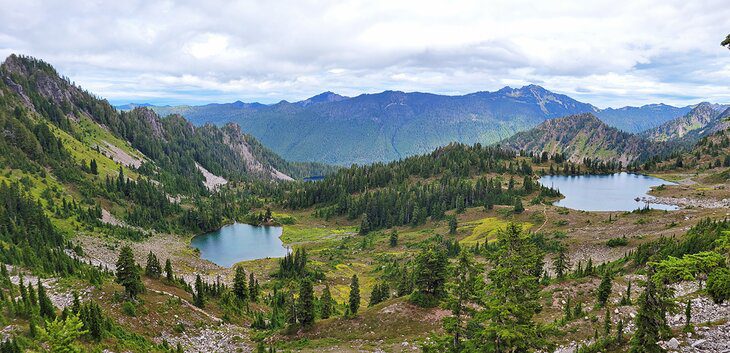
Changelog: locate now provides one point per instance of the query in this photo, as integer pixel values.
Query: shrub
(615, 242)
(718, 285)
(129, 309)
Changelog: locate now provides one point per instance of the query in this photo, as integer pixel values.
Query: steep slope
(702, 120)
(638, 119)
(581, 136)
(386, 126)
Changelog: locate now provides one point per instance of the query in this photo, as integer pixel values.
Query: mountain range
(391, 125)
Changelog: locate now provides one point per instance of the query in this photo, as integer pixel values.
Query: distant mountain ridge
(582, 136)
(390, 125)
(704, 119)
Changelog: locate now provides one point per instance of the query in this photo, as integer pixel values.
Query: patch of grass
(486, 229)
(299, 234)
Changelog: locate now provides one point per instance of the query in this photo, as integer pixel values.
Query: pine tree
(464, 291)
(93, 167)
(239, 284)
(688, 317)
(306, 303)
(430, 276)
(365, 225)
(518, 207)
(560, 262)
(45, 304)
(394, 239)
(199, 296)
(620, 331)
(567, 311)
(152, 269)
(604, 289)
(354, 301)
(252, 288)
(452, 225)
(128, 273)
(327, 304)
(168, 271)
(607, 323)
(649, 320)
(512, 296)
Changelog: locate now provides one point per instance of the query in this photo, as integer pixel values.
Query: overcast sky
(608, 53)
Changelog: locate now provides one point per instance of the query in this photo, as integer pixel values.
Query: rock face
(239, 143)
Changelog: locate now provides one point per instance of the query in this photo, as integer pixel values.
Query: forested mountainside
(135, 164)
(702, 120)
(392, 125)
(580, 137)
(386, 126)
(638, 119)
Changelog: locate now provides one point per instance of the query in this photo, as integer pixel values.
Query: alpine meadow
(381, 176)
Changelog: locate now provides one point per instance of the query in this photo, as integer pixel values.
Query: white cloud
(606, 52)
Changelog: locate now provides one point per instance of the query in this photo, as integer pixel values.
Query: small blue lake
(239, 242)
(611, 192)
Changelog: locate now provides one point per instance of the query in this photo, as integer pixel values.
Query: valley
(146, 233)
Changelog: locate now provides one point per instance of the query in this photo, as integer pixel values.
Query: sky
(607, 53)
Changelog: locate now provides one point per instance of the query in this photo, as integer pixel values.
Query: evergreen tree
(512, 296)
(620, 331)
(327, 303)
(463, 296)
(394, 239)
(607, 323)
(47, 310)
(354, 301)
(199, 296)
(153, 269)
(649, 320)
(518, 208)
(168, 271)
(604, 289)
(306, 303)
(452, 225)
(560, 262)
(430, 276)
(61, 335)
(93, 167)
(239, 284)
(365, 225)
(253, 288)
(128, 273)
(688, 317)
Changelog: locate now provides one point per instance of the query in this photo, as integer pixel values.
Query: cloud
(604, 52)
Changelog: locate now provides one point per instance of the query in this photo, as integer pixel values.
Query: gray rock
(673, 344)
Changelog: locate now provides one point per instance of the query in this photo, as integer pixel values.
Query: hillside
(579, 137)
(702, 120)
(392, 125)
(638, 119)
(385, 126)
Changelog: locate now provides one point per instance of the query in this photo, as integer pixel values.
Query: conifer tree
(128, 273)
(354, 300)
(607, 323)
(240, 289)
(153, 269)
(463, 296)
(688, 316)
(168, 271)
(649, 320)
(253, 288)
(45, 305)
(327, 304)
(93, 167)
(199, 296)
(560, 262)
(620, 331)
(306, 303)
(430, 276)
(394, 239)
(452, 225)
(604, 289)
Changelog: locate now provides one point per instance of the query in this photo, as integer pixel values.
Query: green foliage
(430, 276)
(60, 335)
(354, 301)
(616, 242)
(306, 303)
(128, 273)
(512, 296)
(240, 289)
(604, 289)
(327, 303)
(649, 320)
(153, 269)
(689, 267)
(199, 295)
(718, 285)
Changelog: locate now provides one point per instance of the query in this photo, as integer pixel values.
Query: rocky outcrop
(237, 141)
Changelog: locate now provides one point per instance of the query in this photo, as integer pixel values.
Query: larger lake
(239, 242)
(611, 192)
